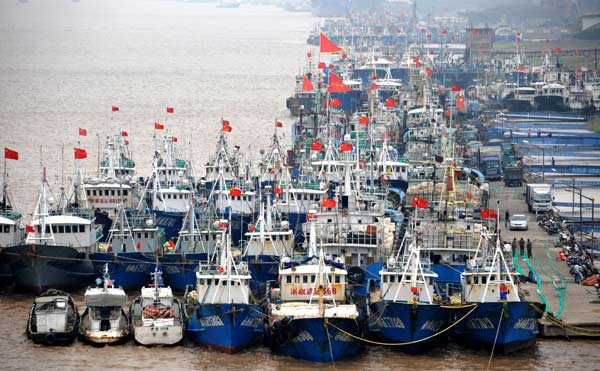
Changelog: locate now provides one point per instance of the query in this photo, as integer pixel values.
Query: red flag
(10, 154)
(419, 203)
(252, 228)
(455, 88)
(336, 85)
(488, 214)
(279, 124)
(346, 147)
(447, 113)
(80, 153)
(460, 103)
(307, 84)
(328, 202)
(374, 86)
(521, 69)
(316, 146)
(390, 103)
(327, 46)
(363, 120)
(336, 103)
(125, 134)
(174, 139)
(428, 71)
(82, 132)
(344, 55)
(444, 32)
(278, 190)
(226, 126)
(158, 126)
(139, 245)
(558, 50)
(126, 142)
(29, 229)
(115, 108)
(170, 110)
(321, 65)
(235, 192)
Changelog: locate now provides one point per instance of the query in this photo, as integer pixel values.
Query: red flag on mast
(419, 203)
(307, 84)
(9, 154)
(158, 126)
(115, 108)
(327, 46)
(82, 132)
(170, 110)
(80, 153)
(336, 85)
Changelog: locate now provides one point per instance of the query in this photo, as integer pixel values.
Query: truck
(538, 197)
(489, 160)
(513, 176)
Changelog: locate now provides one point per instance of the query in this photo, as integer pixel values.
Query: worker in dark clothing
(514, 245)
(528, 249)
(506, 218)
(553, 162)
(522, 246)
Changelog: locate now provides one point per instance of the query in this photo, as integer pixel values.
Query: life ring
(50, 338)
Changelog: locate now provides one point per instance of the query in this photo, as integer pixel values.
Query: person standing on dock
(514, 244)
(522, 246)
(506, 218)
(508, 251)
(553, 162)
(528, 249)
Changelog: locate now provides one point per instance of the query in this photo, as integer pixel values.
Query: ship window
(112, 192)
(476, 280)
(468, 280)
(209, 281)
(87, 192)
(296, 279)
(124, 192)
(5, 229)
(67, 229)
(337, 278)
(483, 279)
(146, 235)
(106, 192)
(94, 192)
(288, 279)
(304, 279)
(493, 277)
(392, 278)
(61, 229)
(47, 229)
(54, 230)
(313, 278)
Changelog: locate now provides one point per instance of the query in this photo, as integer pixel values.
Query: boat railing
(10, 214)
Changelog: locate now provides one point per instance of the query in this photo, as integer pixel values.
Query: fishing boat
(132, 247)
(157, 316)
(501, 321)
(53, 318)
(268, 240)
(114, 182)
(407, 309)
(104, 320)
(311, 318)
(169, 189)
(196, 244)
(59, 240)
(223, 314)
(11, 233)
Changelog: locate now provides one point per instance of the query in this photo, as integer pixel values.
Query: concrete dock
(576, 307)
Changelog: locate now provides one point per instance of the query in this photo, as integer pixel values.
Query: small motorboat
(53, 318)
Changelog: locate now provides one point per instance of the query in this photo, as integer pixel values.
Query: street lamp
(543, 159)
(574, 189)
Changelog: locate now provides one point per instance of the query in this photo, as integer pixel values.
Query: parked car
(518, 221)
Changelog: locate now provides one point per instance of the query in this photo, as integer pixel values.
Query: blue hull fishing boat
(224, 317)
(311, 319)
(501, 321)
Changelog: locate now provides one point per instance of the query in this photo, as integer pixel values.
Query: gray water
(64, 64)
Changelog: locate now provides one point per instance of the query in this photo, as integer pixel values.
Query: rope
(565, 326)
(408, 342)
(329, 341)
(496, 338)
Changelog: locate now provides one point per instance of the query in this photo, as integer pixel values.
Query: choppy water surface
(63, 65)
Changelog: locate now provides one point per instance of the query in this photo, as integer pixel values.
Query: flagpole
(4, 186)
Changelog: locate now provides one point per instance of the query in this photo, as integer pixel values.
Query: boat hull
(6, 276)
(553, 103)
(310, 340)
(129, 270)
(406, 322)
(518, 330)
(170, 222)
(158, 335)
(36, 268)
(179, 270)
(225, 327)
